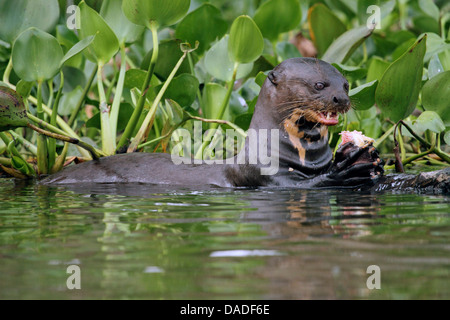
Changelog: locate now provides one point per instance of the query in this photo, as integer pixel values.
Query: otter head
(309, 90)
(303, 97)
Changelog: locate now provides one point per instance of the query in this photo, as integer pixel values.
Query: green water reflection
(141, 242)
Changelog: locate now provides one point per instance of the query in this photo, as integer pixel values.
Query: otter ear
(273, 77)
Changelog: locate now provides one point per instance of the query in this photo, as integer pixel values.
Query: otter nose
(341, 100)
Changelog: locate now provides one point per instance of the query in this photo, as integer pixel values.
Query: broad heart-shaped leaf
(447, 137)
(436, 95)
(36, 55)
(18, 15)
(398, 90)
(274, 17)
(429, 8)
(205, 24)
(246, 42)
(155, 13)
(213, 96)
(324, 27)
(344, 46)
(219, 65)
(125, 31)
(363, 97)
(183, 89)
(12, 110)
(105, 44)
(135, 78)
(428, 120)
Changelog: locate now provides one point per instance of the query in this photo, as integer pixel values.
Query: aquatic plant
(123, 75)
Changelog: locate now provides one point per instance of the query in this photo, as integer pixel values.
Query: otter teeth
(330, 115)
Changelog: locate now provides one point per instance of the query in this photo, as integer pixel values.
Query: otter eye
(319, 86)
(346, 87)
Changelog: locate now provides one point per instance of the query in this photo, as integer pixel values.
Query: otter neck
(303, 147)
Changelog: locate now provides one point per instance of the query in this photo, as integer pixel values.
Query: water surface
(143, 242)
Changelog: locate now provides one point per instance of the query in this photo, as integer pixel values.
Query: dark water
(141, 242)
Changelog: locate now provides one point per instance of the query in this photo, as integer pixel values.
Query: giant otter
(300, 98)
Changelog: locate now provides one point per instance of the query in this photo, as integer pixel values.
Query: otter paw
(352, 161)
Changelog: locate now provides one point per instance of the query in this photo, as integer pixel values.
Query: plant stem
(7, 71)
(27, 144)
(232, 125)
(97, 153)
(115, 108)
(14, 153)
(42, 156)
(422, 141)
(65, 138)
(77, 109)
(151, 114)
(5, 161)
(222, 110)
(108, 143)
(52, 142)
(199, 95)
(384, 137)
(61, 123)
(124, 140)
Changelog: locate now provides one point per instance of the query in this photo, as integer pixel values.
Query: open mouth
(328, 118)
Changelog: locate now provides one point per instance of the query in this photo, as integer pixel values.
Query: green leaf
(125, 112)
(205, 24)
(160, 13)
(344, 46)
(18, 15)
(324, 27)
(20, 165)
(23, 88)
(183, 89)
(351, 73)
(287, 50)
(243, 121)
(444, 57)
(363, 97)
(76, 49)
(429, 120)
(219, 65)
(260, 78)
(435, 67)
(396, 97)
(36, 55)
(105, 44)
(246, 42)
(274, 17)
(69, 101)
(213, 95)
(134, 78)
(12, 110)
(402, 48)
(429, 8)
(436, 93)
(376, 69)
(447, 138)
(125, 31)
